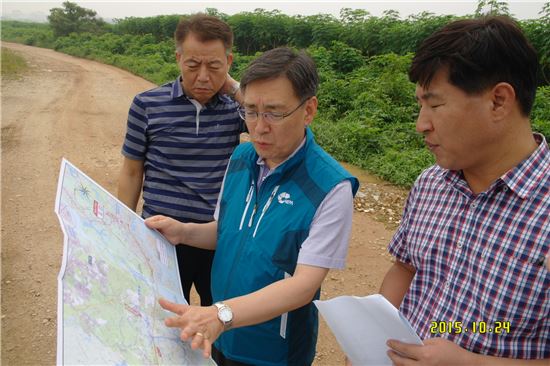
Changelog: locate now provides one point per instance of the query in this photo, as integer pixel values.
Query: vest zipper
(248, 197)
(252, 215)
(266, 206)
(243, 237)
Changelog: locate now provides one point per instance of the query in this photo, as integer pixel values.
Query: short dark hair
(206, 28)
(480, 53)
(298, 67)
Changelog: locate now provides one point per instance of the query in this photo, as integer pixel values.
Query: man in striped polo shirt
(469, 272)
(179, 138)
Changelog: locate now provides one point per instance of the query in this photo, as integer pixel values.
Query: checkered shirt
(478, 258)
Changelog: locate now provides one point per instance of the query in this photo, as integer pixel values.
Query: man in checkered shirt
(469, 272)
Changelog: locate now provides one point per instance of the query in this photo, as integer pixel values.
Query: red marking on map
(132, 310)
(98, 210)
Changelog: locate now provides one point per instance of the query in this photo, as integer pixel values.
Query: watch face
(225, 314)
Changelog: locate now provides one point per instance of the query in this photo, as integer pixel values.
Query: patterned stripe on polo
(185, 156)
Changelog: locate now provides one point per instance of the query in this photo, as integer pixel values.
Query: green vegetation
(12, 64)
(367, 111)
(367, 117)
(32, 34)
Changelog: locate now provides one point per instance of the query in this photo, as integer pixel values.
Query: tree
(215, 13)
(74, 19)
(353, 16)
(545, 12)
(492, 7)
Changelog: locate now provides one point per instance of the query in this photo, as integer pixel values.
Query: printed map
(114, 271)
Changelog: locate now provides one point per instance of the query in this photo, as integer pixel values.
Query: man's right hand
(173, 230)
(198, 324)
(229, 86)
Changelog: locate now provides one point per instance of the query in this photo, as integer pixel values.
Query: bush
(400, 166)
(540, 115)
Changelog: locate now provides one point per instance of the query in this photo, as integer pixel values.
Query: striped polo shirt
(479, 259)
(185, 148)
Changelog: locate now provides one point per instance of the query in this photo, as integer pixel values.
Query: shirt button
(459, 244)
(473, 205)
(505, 189)
(447, 285)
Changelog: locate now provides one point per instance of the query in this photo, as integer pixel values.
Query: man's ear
(178, 56)
(311, 110)
(229, 61)
(504, 100)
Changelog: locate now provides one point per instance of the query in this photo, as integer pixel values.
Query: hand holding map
(167, 226)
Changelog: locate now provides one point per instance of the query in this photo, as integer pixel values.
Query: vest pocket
(284, 317)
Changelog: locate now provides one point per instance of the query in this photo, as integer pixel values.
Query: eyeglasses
(270, 117)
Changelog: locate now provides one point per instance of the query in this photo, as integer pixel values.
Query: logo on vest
(285, 198)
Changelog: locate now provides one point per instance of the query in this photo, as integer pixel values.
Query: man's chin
(202, 96)
(446, 164)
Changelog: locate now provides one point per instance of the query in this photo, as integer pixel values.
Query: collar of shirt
(264, 169)
(526, 177)
(523, 179)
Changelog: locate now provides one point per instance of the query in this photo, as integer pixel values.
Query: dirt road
(69, 107)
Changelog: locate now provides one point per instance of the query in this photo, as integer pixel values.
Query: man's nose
(423, 122)
(203, 74)
(261, 125)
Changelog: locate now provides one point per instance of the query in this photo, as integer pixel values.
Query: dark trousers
(195, 266)
(222, 361)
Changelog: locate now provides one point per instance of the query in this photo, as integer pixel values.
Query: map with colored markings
(114, 271)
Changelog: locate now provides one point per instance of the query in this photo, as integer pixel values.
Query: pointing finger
(178, 309)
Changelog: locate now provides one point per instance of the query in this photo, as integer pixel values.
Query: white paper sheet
(362, 325)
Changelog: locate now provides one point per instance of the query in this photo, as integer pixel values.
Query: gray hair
(298, 67)
(205, 28)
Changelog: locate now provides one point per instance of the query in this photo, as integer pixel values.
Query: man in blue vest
(283, 220)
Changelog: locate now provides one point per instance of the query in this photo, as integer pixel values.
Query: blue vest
(259, 236)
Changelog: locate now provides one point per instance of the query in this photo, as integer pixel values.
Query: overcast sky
(39, 10)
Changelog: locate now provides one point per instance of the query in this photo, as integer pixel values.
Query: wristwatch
(225, 315)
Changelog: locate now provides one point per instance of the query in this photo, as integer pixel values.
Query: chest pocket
(516, 288)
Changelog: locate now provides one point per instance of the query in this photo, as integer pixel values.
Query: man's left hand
(435, 351)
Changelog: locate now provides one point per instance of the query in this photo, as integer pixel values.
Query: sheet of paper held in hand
(362, 325)
(114, 270)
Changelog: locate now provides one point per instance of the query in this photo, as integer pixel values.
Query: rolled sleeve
(328, 240)
(398, 247)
